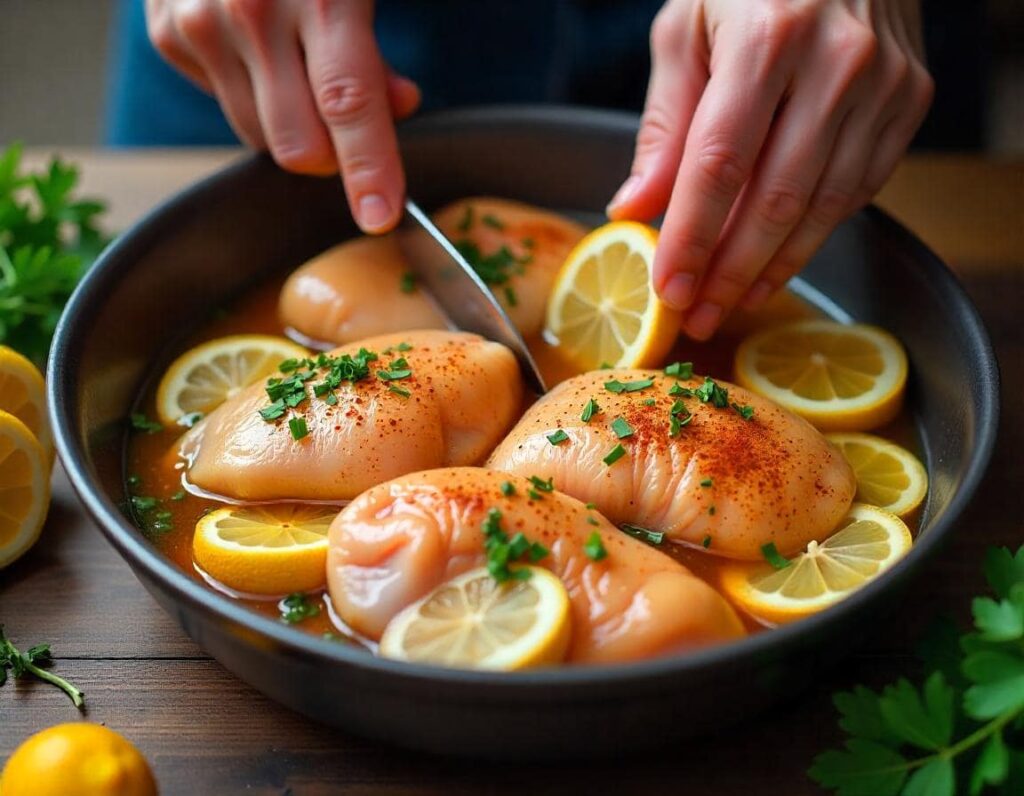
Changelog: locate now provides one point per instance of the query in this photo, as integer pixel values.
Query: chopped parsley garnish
(678, 416)
(34, 661)
(592, 521)
(621, 428)
(594, 547)
(144, 502)
(558, 437)
(407, 284)
(605, 366)
(142, 423)
(746, 411)
(614, 455)
(493, 269)
(403, 346)
(711, 392)
(541, 484)
(394, 374)
(681, 370)
(510, 297)
(399, 390)
(274, 411)
(508, 488)
(678, 389)
(297, 425)
(706, 543)
(492, 221)
(502, 551)
(591, 505)
(649, 402)
(589, 410)
(466, 223)
(289, 392)
(774, 557)
(178, 496)
(296, 607)
(533, 494)
(643, 534)
(707, 482)
(619, 387)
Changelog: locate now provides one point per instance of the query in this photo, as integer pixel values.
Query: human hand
(303, 80)
(767, 122)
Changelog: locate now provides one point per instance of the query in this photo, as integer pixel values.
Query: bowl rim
(574, 681)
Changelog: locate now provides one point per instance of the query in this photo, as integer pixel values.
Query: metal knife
(458, 290)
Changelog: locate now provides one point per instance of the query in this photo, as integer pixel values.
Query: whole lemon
(77, 759)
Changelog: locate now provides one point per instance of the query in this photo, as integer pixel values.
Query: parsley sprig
(502, 551)
(961, 731)
(33, 663)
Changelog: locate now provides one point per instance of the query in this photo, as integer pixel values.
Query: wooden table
(206, 732)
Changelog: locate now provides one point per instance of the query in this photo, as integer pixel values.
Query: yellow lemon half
(204, 377)
(888, 476)
(274, 549)
(841, 378)
(868, 542)
(603, 308)
(473, 622)
(24, 488)
(22, 394)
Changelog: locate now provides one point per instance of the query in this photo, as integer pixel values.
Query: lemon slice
(22, 394)
(24, 488)
(204, 377)
(841, 378)
(275, 549)
(868, 542)
(888, 476)
(473, 622)
(603, 308)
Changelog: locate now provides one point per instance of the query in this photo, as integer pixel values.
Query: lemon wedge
(22, 394)
(888, 476)
(603, 309)
(841, 378)
(867, 542)
(24, 488)
(474, 622)
(275, 549)
(204, 377)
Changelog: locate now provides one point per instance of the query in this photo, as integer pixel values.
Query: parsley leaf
(770, 553)
(33, 663)
(594, 547)
(296, 607)
(558, 437)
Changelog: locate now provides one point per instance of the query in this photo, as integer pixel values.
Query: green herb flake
(466, 222)
(707, 482)
(502, 551)
(643, 534)
(558, 437)
(297, 607)
(614, 455)
(591, 505)
(774, 557)
(594, 547)
(711, 392)
(593, 521)
(34, 662)
(649, 402)
(297, 425)
(407, 284)
(678, 389)
(178, 496)
(712, 510)
(533, 494)
(508, 488)
(492, 221)
(142, 423)
(680, 370)
(394, 375)
(528, 243)
(399, 390)
(144, 502)
(706, 542)
(510, 297)
(589, 410)
(619, 387)
(542, 484)
(746, 411)
(621, 428)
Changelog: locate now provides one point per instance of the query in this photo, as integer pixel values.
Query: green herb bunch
(47, 242)
(962, 731)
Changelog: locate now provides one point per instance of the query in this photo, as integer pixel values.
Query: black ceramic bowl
(230, 231)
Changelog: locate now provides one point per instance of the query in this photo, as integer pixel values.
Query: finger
(789, 169)
(208, 43)
(677, 79)
(163, 34)
(349, 84)
(404, 96)
(295, 135)
(728, 129)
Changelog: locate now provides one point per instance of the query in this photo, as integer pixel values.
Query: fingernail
(625, 193)
(704, 320)
(374, 212)
(678, 291)
(757, 296)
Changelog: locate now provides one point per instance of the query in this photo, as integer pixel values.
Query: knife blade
(458, 290)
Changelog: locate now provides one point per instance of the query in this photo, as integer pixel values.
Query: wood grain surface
(206, 732)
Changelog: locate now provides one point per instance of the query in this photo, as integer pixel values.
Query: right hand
(303, 80)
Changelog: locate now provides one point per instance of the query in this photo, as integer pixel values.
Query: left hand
(767, 123)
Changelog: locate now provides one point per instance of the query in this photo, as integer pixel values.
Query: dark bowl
(230, 231)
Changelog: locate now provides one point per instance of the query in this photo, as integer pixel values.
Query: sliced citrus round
(603, 309)
(204, 377)
(24, 488)
(273, 549)
(22, 394)
(474, 622)
(840, 377)
(888, 476)
(867, 542)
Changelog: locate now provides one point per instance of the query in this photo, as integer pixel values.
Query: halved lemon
(888, 476)
(204, 377)
(22, 394)
(474, 622)
(274, 549)
(24, 488)
(868, 542)
(841, 378)
(603, 308)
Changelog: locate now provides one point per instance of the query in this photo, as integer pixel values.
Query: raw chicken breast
(354, 291)
(729, 484)
(400, 540)
(464, 394)
(538, 239)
